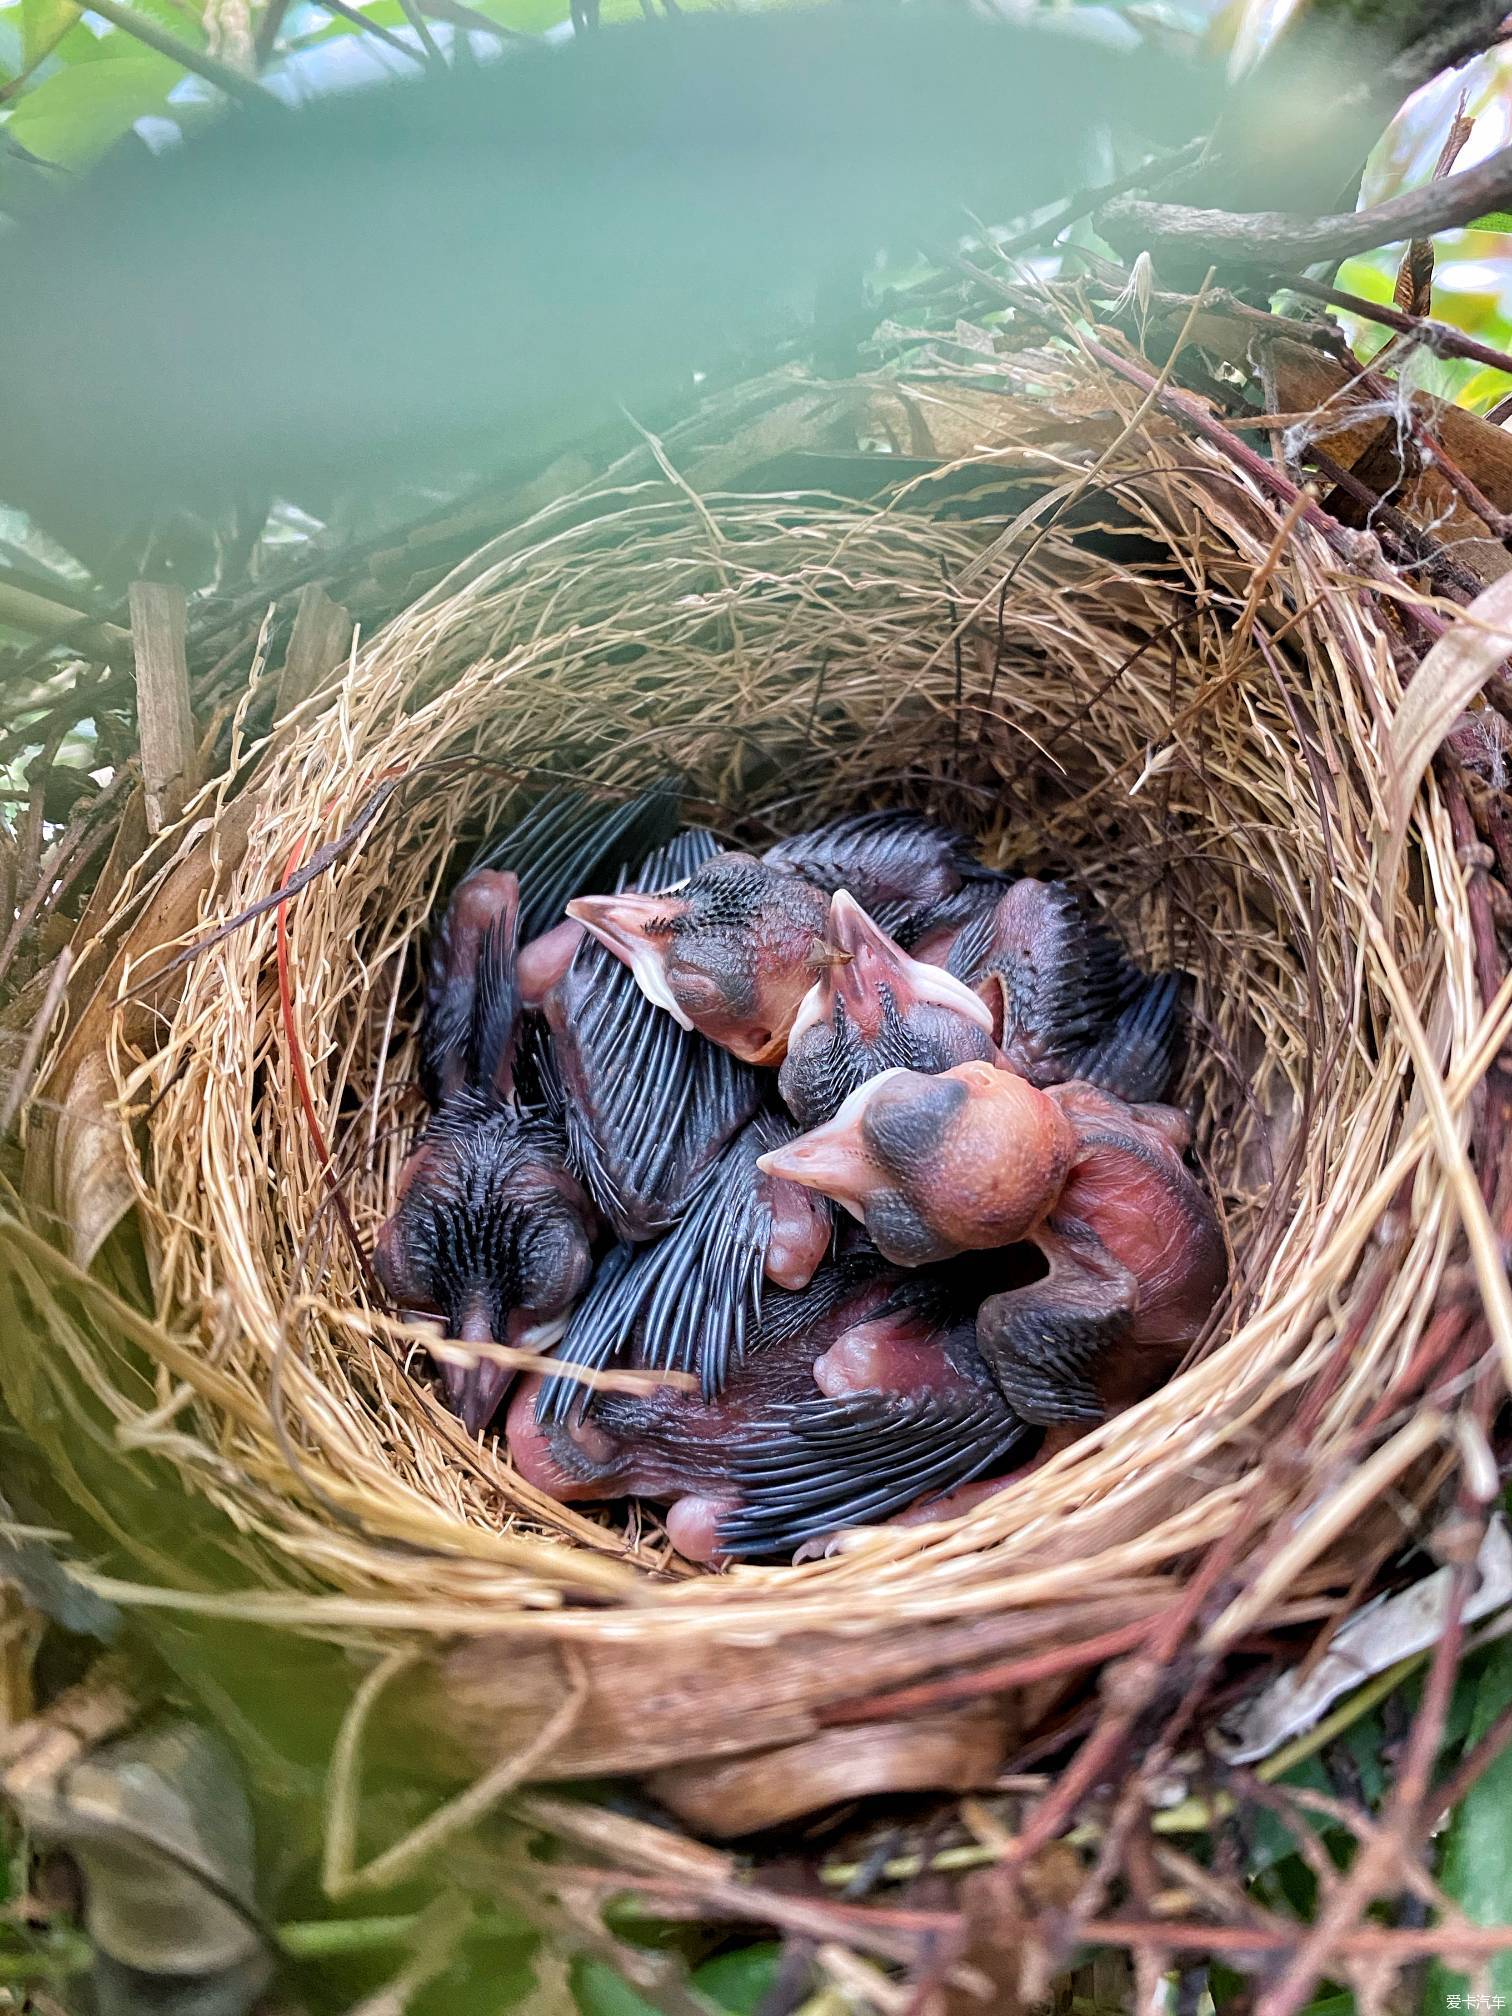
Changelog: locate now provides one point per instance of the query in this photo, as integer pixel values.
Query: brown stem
(1435, 336)
(1463, 485)
(1274, 238)
(1389, 1942)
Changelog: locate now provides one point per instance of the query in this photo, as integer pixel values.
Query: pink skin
(544, 961)
(800, 1233)
(890, 1354)
(531, 1453)
(693, 1527)
(937, 944)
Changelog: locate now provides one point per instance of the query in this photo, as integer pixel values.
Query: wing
(1044, 1344)
(652, 1105)
(689, 1302)
(566, 845)
(472, 999)
(902, 868)
(818, 1465)
(1136, 1058)
(1071, 995)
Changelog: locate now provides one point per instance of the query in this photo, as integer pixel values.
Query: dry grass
(1138, 674)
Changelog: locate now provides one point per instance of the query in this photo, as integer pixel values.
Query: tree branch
(1437, 337)
(246, 90)
(1275, 238)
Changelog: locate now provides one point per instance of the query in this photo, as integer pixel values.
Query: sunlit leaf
(1485, 388)
(75, 115)
(43, 23)
(1494, 220)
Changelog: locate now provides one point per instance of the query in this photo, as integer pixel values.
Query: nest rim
(1111, 1516)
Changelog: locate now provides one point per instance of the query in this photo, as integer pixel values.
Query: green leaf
(599, 1991)
(74, 116)
(737, 1981)
(1476, 1867)
(43, 23)
(1494, 220)
(1485, 388)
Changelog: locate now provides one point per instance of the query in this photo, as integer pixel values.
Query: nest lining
(1180, 704)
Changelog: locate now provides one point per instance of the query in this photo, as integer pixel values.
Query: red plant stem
(1400, 1943)
(1476, 1761)
(1435, 336)
(1380, 1857)
(1489, 970)
(1433, 1347)
(893, 1932)
(1463, 485)
(992, 1679)
(1139, 1681)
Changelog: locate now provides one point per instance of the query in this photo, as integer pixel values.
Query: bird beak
(873, 960)
(831, 1158)
(621, 925)
(473, 1392)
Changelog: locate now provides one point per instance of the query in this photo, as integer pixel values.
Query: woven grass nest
(1106, 651)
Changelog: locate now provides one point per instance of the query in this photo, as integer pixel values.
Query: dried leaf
(77, 1171)
(159, 1825)
(1392, 1628)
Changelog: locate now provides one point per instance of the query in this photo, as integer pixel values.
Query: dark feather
(496, 1008)
(652, 1104)
(906, 871)
(1068, 985)
(818, 1465)
(691, 1299)
(567, 845)
(1136, 1058)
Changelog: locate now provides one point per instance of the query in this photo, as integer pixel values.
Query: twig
(1147, 176)
(1276, 238)
(246, 90)
(316, 866)
(1401, 1943)
(1435, 336)
(421, 26)
(1435, 455)
(377, 30)
(36, 1040)
(1471, 1768)
(266, 40)
(165, 721)
(1412, 544)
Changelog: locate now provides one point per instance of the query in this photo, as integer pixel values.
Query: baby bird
(490, 1232)
(648, 1106)
(1065, 998)
(695, 1296)
(873, 1010)
(977, 1157)
(907, 1411)
(675, 1448)
(910, 874)
(730, 951)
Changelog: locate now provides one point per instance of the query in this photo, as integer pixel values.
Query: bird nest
(1108, 650)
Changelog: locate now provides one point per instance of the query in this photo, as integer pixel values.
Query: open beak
(621, 924)
(831, 1159)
